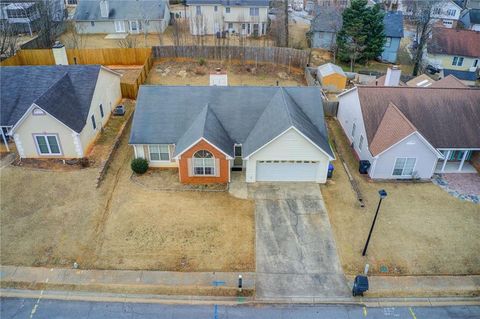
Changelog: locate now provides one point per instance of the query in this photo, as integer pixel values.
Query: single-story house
(331, 77)
(455, 50)
(56, 111)
(122, 16)
(272, 133)
(410, 132)
(393, 30)
(324, 27)
(470, 19)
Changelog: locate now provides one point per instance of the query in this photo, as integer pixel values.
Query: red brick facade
(224, 169)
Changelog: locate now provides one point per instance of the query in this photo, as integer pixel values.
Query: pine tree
(361, 37)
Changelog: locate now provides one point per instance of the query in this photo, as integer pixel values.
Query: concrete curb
(211, 300)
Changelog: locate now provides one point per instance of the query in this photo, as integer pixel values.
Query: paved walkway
(461, 185)
(295, 249)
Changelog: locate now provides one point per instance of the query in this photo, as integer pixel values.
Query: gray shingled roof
(89, 10)
(230, 3)
(393, 24)
(63, 91)
(251, 116)
(328, 19)
(207, 126)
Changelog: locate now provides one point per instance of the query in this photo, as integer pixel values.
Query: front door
(255, 30)
(120, 26)
(238, 161)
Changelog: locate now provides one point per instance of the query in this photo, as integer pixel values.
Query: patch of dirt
(176, 72)
(420, 229)
(52, 164)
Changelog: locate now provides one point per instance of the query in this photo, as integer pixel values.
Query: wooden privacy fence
(276, 55)
(130, 86)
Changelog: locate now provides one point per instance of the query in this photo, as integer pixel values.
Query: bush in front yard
(139, 165)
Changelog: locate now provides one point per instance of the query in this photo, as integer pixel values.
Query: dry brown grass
(56, 218)
(238, 74)
(420, 230)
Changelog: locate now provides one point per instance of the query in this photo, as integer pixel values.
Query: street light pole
(382, 194)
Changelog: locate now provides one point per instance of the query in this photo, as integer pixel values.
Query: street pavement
(20, 308)
(296, 254)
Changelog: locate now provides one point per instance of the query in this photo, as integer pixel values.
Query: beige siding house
(58, 111)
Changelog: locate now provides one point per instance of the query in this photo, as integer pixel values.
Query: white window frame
(354, 127)
(458, 60)
(198, 10)
(404, 165)
(202, 163)
(136, 23)
(475, 63)
(254, 12)
(388, 43)
(360, 144)
(227, 9)
(160, 152)
(48, 144)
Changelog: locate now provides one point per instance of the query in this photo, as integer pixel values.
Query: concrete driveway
(295, 248)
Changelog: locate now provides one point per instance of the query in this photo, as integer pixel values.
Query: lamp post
(382, 194)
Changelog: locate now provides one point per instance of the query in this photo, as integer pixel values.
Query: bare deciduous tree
(8, 39)
(74, 39)
(420, 14)
(50, 22)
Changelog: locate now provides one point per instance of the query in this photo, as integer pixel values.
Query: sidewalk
(127, 281)
(223, 285)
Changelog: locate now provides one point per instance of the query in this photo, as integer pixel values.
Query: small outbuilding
(331, 77)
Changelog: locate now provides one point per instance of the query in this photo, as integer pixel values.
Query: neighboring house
(25, 15)
(410, 132)
(324, 28)
(56, 111)
(470, 19)
(243, 17)
(446, 12)
(472, 4)
(331, 77)
(457, 52)
(122, 16)
(393, 29)
(273, 133)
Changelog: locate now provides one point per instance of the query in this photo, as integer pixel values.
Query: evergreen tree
(361, 37)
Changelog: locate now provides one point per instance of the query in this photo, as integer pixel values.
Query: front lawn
(421, 229)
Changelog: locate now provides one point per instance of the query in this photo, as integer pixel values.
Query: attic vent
(37, 111)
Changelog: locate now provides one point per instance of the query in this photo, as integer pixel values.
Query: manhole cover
(383, 268)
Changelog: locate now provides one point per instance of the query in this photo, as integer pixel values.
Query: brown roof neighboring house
(445, 117)
(393, 127)
(454, 42)
(449, 81)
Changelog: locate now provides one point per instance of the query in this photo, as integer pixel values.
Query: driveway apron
(296, 253)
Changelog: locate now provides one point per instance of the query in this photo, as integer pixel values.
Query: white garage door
(288, 171)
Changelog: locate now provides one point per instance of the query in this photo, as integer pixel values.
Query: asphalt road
(19, 308)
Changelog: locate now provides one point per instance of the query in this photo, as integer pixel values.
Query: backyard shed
(331, 77)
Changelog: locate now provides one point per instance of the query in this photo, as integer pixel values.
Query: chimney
(393, 76)
(104, 8)
(59, 54)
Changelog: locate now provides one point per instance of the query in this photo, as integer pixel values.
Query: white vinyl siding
(404, 166)
(286, 151)
(159, 152)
